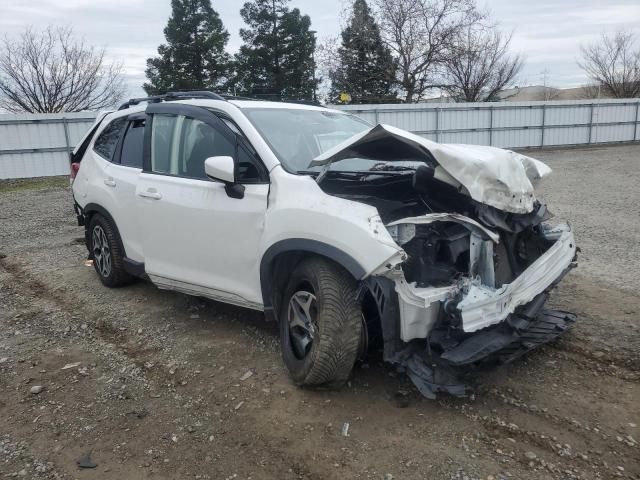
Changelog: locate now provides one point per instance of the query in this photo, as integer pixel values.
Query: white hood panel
(500, 178)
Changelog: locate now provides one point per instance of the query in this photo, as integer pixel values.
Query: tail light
(75, 166)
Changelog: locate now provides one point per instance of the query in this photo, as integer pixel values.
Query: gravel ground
(598, 191)
(156, 384)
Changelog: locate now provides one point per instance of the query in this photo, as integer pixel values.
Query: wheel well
(280, 270)
(281, 266)
(290, 251)
(88, 212)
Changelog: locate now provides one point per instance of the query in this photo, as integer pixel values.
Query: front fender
(301, 217)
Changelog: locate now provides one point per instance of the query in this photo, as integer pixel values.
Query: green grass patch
(40, 183)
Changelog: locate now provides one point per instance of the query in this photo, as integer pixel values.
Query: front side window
(297, 136)
(180, 145)
(105, 144)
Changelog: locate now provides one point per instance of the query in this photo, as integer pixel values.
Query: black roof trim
(169, 96)
(205, 94)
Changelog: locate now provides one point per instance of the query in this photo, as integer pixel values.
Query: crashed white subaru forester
(352, 237)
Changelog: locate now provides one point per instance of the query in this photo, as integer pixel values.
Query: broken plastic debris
(345, 429)
(85, 461)
(71, 365)
(88, 263)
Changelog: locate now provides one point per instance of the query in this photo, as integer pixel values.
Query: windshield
(297, 136)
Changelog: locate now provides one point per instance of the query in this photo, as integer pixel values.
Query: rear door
(94, 183)
(195, 237)
(122, 178)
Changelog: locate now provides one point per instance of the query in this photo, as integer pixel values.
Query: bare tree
(419, 33)
(51, 71)
(590, 91)
(327, 62)
(478, 64)
(613, 63)
(549, 93)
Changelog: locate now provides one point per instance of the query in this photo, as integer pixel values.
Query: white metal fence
(513, 124)
(38, 145)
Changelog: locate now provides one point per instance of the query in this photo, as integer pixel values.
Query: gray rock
(36, 389)
(530, 455)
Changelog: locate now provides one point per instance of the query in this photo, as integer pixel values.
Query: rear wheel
(320, 324)
(107, 252)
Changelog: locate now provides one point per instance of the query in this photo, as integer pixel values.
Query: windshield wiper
(320, 175)
(389, 167)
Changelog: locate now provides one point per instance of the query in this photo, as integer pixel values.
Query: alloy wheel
(101, 251)
(301, 316)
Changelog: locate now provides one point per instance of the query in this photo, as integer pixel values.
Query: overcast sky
(547, 32)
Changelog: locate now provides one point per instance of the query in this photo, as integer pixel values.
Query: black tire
(115, 275)
(337, 325)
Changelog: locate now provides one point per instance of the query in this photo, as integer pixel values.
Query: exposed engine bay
(477, 274)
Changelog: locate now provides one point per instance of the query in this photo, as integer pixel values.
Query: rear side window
(105, 144)
(162, 133)
(132, 143)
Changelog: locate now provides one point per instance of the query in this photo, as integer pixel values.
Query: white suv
(353, 237)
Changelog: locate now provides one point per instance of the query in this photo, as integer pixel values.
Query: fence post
(591, 123)
(491, 125)
(544, 121)
(437, 124)
(635, 125)
(66, 134)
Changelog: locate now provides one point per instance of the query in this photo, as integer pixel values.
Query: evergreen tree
(366, 69)
(194, 56)
(276, 59)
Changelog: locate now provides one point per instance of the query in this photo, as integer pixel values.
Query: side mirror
(223, 168)
(220, 168)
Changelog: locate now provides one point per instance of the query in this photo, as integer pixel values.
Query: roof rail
(136, 101)
(177, 95)
(186, 94)
(192, 94)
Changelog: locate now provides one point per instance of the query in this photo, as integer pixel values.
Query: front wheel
(320, 324)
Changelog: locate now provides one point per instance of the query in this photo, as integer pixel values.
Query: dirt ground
(161, 385)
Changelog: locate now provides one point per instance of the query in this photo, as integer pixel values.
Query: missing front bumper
(445, 372)
(479, 306)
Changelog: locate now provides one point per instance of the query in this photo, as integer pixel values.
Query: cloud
(547, 32)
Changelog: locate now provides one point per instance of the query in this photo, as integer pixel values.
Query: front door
(195, 238)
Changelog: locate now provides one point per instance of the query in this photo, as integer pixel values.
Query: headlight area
(466, 295)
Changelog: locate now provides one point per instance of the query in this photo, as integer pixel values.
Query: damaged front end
(468, 298)
(481, 256)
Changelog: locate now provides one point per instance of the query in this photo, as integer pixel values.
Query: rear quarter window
(132, 144)
(105, 144)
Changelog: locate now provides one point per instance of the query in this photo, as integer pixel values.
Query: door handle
(110, 182)
(150, 194)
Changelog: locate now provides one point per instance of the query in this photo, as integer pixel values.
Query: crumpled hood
(500, 178)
